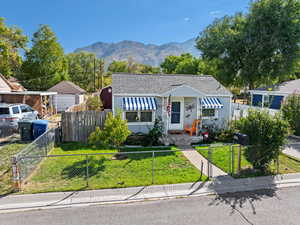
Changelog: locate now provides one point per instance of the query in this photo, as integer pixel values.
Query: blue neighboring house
(273, 96)
(178, 99)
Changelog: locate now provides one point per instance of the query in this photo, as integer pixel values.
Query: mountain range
(149, 54)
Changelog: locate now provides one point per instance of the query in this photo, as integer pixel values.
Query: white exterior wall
(64, 101)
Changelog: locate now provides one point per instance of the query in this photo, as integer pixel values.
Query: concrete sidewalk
(201, 162)
(219, 185)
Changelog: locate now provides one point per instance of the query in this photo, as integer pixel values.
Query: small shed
(106, 97)
(68, 94)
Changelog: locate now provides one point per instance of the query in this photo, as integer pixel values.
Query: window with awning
(139, 104)
(211, 103)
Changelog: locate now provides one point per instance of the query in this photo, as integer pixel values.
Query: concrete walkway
(201, 162)
(216, 186)
(293, 147)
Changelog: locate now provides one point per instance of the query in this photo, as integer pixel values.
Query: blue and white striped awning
(211, 103)
(139, 104)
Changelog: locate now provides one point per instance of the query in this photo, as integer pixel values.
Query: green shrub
(93, 103)
(154, 135)
(114, 133)
(291, 112)
(267, 134)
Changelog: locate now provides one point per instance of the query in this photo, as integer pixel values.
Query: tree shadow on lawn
(79, 168)
(141, 155)
(74, 146)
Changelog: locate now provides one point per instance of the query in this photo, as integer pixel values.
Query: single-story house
(11, 91)
(41, 101)
(10, 84)
(273, 96)
(177, 99)
(68, 94)
(106, 97)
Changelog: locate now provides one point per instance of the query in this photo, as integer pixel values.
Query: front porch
(194, 113)
(181, 139)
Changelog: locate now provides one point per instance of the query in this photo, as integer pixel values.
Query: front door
(176, 122)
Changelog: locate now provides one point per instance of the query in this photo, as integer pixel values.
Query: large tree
(255, 48)
(45, 63)
(85, 70)
(130, 66)
(11, 41)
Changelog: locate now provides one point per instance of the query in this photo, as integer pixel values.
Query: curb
(161, 192)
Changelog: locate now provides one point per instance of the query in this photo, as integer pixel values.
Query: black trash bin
(25, 127)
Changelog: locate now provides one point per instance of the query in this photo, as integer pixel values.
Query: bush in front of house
(114, 133)
(291, 112)
(267, 134)
(154, 136)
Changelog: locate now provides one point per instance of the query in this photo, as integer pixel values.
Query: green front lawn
(69, 172)
(6, 153)
(221, 158)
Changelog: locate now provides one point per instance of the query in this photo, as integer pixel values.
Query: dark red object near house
(106, 97)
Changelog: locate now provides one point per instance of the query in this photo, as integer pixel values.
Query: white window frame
(139, 116)
(216, 116)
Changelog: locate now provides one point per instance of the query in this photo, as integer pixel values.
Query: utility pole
(95, 73)
(101, 71)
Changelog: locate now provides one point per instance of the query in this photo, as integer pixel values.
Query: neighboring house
(177, 99)
(10, 84)
(41, 101)
(68, 94)
(11, 91)
(106, 97)
(273, 96)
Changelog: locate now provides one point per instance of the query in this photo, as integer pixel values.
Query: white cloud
(187, 19)
(215, 13)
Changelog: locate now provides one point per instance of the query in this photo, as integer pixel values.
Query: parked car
(11, 114)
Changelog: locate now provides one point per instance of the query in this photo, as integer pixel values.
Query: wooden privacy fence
(77, 126)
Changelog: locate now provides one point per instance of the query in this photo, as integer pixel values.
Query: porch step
(182, 139)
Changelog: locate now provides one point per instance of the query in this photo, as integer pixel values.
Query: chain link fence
(35, 170)
(27, 160)
(71, 172)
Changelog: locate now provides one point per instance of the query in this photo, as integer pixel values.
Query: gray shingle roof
(67, 87)
(123, 83)
(288, 87)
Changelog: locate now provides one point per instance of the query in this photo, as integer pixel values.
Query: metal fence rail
(34, 152)
(42, 172)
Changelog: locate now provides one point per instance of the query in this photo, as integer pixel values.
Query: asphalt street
(274, 207)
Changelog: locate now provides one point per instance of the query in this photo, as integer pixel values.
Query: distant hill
(143, 53)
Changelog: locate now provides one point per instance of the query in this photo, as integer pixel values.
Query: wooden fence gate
(77, 126)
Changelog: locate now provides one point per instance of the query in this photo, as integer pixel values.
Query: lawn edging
(132, 194)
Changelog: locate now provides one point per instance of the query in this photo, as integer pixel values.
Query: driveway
(293, 148)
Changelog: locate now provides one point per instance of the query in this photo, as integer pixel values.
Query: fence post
(15, 174)
(229, 161)
(239, 159)
(201, 169)
(208, 163)
(153, 157)
(277, 164)
(87, 170)
(232, 160)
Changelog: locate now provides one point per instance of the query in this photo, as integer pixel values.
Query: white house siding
(224, 114)
(4, 86)
(64, 101)
(190, 110)
(117, 106)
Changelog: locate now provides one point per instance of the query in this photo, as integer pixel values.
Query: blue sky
(78, 23)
